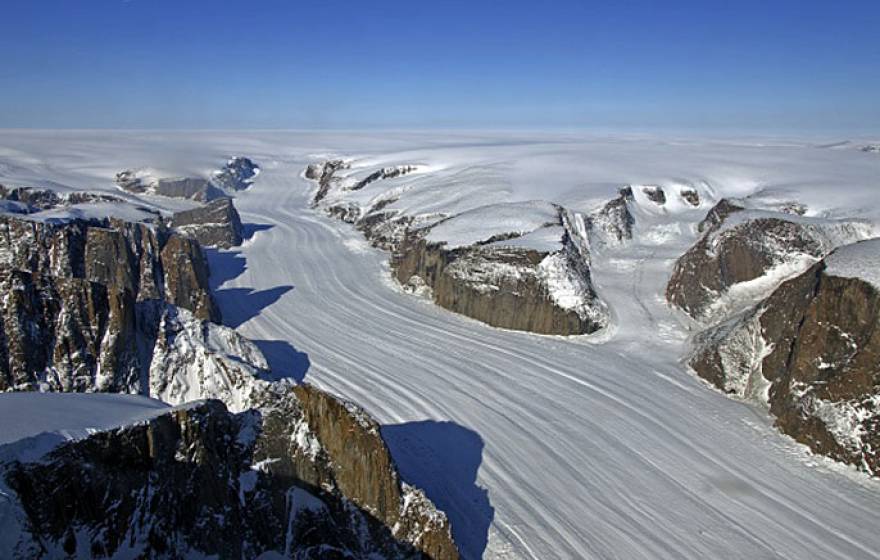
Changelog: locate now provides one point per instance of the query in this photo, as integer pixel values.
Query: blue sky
(769, 65)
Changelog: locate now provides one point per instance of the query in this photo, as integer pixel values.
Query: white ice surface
(858, 260)
(537, 447)
(485, 222)
(25, 415)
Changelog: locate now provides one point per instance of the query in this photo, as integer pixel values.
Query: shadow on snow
(239, 305)
(284, 360)
(442, 458)
(249, 230)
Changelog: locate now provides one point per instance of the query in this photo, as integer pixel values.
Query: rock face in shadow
(810, 352)
(739, 245)
(201, 481)
(217, 223)
(80, 296)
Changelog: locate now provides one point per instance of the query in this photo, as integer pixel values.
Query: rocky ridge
(744, 252)
(108, 305)
(199, 480)
(500, 277)
(216, 223)
(521, 267)
(237, 174)
(809, 353)
(31, 200)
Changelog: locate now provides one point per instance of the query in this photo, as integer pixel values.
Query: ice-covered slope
(71, 415)
(536, 447)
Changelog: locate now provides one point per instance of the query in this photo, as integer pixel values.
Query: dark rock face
(201, 481)
(718, 213)
(655, 194)
(194, 188)
(237, 175)
(385, 230)
(613, 223)
(79, 295)
(217, 223)
(729, 254)
(34, 200)
(385, 173)
(811, 352)
(323, 174)
(186, 277)
(129, 180)
(362, 469)
(691, 196)
(106, 305)
(501, 286)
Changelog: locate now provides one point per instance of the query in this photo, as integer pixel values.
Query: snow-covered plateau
(603, 445)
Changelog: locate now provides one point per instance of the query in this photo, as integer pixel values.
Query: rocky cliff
(505, 286)
(216, 223)
(810, 353)
(237, 174)
(200, 481)
(81, 295)
(194, 188)
(530, 272)
(744, 252)
(107, 305)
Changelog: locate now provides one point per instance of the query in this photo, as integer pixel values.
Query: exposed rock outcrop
(323, 173)
(810, 352)
(691, 196)
(508, 286)
(201, 481)
(384, 173)
(217, 223)
(238, 174)
(743, 253)
(530, 273)
(80, 296)
(107, 305)
(34, 200)
(194, 188)
(655, 194)
(613, 223)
